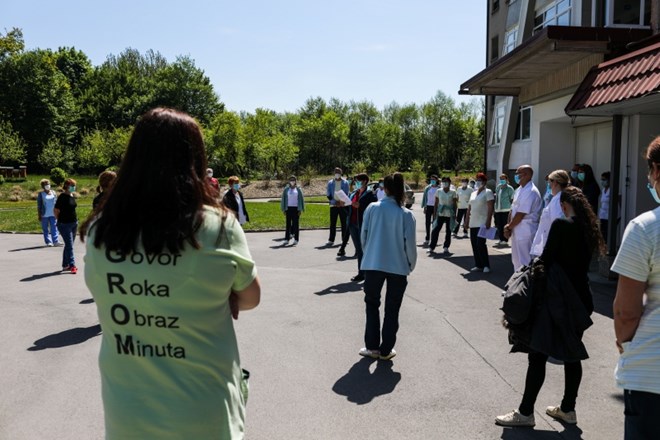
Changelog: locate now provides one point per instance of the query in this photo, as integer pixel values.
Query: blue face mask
(433, 182)
(574, 174)
(580, 177)
(72, 188)
(237, 186)
(654, 193)
(605, 183)
(381, 185)
(547, 187)
(502, 182)
(358, 185)
(516, 179)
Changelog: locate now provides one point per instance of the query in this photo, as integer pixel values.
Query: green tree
(223, 143)
(11, 43)
(12, 147)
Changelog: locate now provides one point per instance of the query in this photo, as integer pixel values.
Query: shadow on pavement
(87, 301)
(349, 286)
(39, 276)
(570, 432)
(361, 386)
(31, 248)
(500, 265)
(72, 336)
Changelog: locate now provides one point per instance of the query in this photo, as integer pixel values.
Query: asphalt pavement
(452, 375)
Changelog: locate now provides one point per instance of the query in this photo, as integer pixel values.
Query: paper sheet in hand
(342, 197)
(488, 234)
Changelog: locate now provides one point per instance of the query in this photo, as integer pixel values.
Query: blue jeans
(396, 287)
(355, 236)
(47, 222)
(641, 410)
(68, 233)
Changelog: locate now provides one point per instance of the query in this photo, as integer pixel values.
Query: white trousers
(522, 238)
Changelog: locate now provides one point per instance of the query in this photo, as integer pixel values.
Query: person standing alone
(337, 210)
(390, 254)
(292, 205)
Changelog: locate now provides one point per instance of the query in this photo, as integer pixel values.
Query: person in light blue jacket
(292, 205)
(390, 254)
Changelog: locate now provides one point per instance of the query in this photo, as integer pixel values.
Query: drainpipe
(617, 122)
(488, 3)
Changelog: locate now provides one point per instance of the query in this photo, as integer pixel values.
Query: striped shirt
(639, 259)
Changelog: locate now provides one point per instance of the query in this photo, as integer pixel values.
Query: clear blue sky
(276, 54)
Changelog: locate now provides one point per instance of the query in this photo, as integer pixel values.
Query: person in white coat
(524, 217)
(558, 181)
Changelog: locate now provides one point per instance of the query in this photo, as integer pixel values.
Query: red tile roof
(630, 76)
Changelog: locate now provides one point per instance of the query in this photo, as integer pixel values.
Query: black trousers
(292, 223)
(603, 229)
(428, 219)
(501, 218)
(373, 285)
(479, 249)
(341, 212)
(460, 215)
(536, 377)
(436, 232)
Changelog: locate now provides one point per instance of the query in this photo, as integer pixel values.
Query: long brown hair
(584, 215)
(160, 189)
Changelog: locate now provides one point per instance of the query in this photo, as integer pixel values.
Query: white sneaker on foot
(557, 413)
(373, 354)
(445, 250)
(476, 269)
(514, 418)
(295, 242)
(330, 243)
(426, 243)
(486, 269)
(387, 357)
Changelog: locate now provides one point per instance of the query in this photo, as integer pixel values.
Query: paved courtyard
(452, 375)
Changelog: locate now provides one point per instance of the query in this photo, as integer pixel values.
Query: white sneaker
(374, 354)
(445, 250)
(514, 418)
(464, 234)
(330, 243)
(486, 269)
(295, 242)
(476, 269)
(426, 242)
(557, 413)
(49, 244)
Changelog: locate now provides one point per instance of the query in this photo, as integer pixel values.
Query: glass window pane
(526, 125)
(564, 19)
(627, 12)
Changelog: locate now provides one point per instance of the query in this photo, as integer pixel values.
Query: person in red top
(213, 181)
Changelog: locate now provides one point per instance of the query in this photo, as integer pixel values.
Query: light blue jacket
(330, 191)
(284, 201)
(388, 238)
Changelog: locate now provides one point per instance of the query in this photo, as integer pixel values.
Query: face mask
(516, 179)
(502, 182)
(349, 181)
(433, 182)
(445, 184)
(358, 185)
(292, 183)
(480, 183)
(654, 193)
(237, 186)
(547, 187)
(381, 185)
(605, 183)
(209, 173)
(72, 188)
(471, 185)
(337, 176)
(47, 187)
(463, 185)
(574, 174)
(580, 177)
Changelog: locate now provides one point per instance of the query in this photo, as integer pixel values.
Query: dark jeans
(501, 219)
(428, 219)
(68, 235)
(292, 223)
(536, 376)
(436, 232)
(460, 215)
(341, 212)
(603, 229)
(641, 410)
(479, 249)
(355, 236)
(396, 287)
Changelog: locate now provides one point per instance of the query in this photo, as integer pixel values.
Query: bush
(2, 179)
(57, 176)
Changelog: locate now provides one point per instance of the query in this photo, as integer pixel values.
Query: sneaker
(58, 243)
(445, 250)
(455, 234)
(373, 354)
(66, 268)
(557, 413)
(514, 418)
(358, 277)
(330, 243)
(426, 243)
(476, 269)
(49, 244)
(387, 357)
(464, 234)
(486, 269)
(74, 270)
(341, 252)
(295, 242)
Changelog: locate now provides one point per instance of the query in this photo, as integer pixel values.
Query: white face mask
(445, 184)
(292, 184)
(47, 187)
(480, 184)
(209, 173)
(337, 176)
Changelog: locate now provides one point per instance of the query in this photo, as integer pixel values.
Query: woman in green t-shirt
(168, 268)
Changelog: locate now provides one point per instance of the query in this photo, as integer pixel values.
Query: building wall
(644, 128)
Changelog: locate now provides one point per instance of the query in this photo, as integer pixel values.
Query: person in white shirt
(604, 209)
(380, 192)
(558, 181)
(428, 205)
(463, 193)
(292, 205)
(480, 213)
(637, 314)
(524, 217)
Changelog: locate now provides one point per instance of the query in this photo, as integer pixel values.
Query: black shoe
(341, 252)
(358, 277)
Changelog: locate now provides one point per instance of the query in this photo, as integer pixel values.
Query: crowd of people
(185, 237)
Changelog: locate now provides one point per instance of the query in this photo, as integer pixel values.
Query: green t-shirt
(169, 360)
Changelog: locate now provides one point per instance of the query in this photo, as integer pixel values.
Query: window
(498, 122)
(524, 125)
(494, 48)
(557, 13)
(627, 13)
(510, 38)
